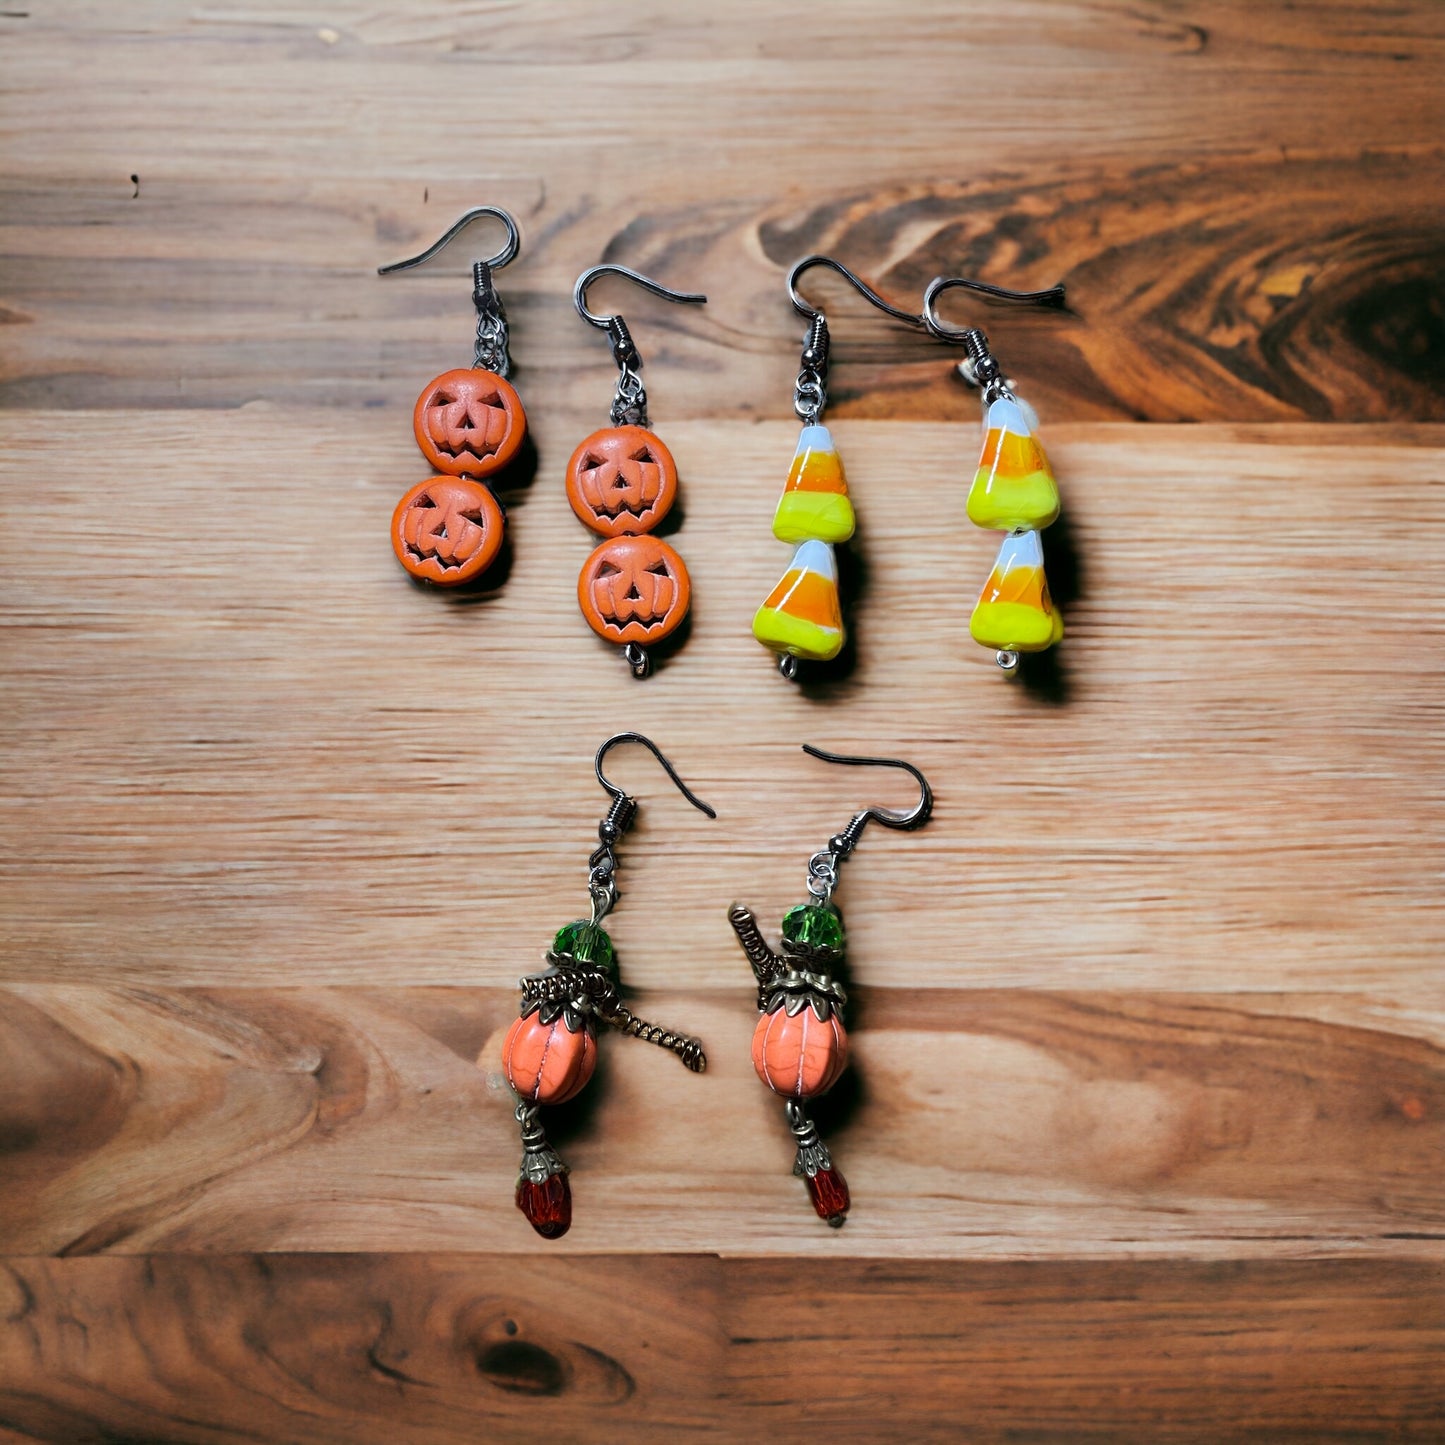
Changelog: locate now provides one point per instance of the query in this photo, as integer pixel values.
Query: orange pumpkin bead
(634, 589)
(548, 1063)
(622, 480)
(447, 530)
(797, 1055)
(469, 422)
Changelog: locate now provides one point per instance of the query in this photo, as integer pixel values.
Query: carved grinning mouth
(614, 497)
(422, 530)
(632, 595)
(469, 438)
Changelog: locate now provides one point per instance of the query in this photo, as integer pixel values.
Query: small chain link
(491, 352)
(810, 391)
(823, 876)
(810, 396)
(629, 401)
(602, 883)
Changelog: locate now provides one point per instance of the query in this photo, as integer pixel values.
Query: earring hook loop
(619, 794)
(916, 816)
(1052, 296)
(604, 323)
(494, 263)
(812, 313)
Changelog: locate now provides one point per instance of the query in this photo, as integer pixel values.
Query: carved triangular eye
(608, 570)
(491, 398)
(591, 462)
(642, 454)
(660, 569)
(442, 398)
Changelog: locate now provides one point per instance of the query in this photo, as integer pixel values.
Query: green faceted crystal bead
(813, 927)
(586, 942)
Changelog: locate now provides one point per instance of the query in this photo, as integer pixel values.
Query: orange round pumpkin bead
(634, 589)
(469, 422)
(447, 530)
(622, 480)
(799, 1056)
(548, 1063)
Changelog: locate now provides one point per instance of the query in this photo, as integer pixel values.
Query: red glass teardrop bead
(548, 1205)
(829, 1191)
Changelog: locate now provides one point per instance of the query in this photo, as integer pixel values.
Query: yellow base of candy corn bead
(813, 516)
(1030, 501)
(1015, 627)
(796, 637)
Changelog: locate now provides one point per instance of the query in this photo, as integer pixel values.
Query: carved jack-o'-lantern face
(633, 589)
(469, 423)
(621, 480)
(447, 530)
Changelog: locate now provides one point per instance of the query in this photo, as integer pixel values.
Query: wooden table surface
(1146, 1128)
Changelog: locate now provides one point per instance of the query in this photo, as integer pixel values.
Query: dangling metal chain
(810, 392)
(629, 401)
(491, 352)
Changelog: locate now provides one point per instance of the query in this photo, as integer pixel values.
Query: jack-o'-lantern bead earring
(1013, 488)
(550, 1052)
(469, 424)
(802, 617)
(800, 1048)
(633, 589)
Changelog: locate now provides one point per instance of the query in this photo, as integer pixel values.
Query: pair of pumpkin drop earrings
(633, 589)
(800, 1047)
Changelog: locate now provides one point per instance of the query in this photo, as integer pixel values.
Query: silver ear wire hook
(493, 263)
(601, 880)
(1053, 296)
(857, 283)
(916, 816)
(629, 403)
(604, 323)
(979, 367)
(810, 393)
(823, 865)
(492, 351)
(620, 794)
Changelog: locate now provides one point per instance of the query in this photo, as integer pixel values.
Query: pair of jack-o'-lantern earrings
(800, 1048)
(634, 589)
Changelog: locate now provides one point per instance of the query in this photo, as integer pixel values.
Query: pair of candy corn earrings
(800, 1046)
(633, 589)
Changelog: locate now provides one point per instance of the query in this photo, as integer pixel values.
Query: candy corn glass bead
(802, 615)
(1015, 612)
(1014, 486)
(814, 505)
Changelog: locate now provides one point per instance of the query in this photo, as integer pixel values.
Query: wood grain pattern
(264, 757)
(1145, 1127)
(377, 1348)
(982, 1123)
(1248, 226)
